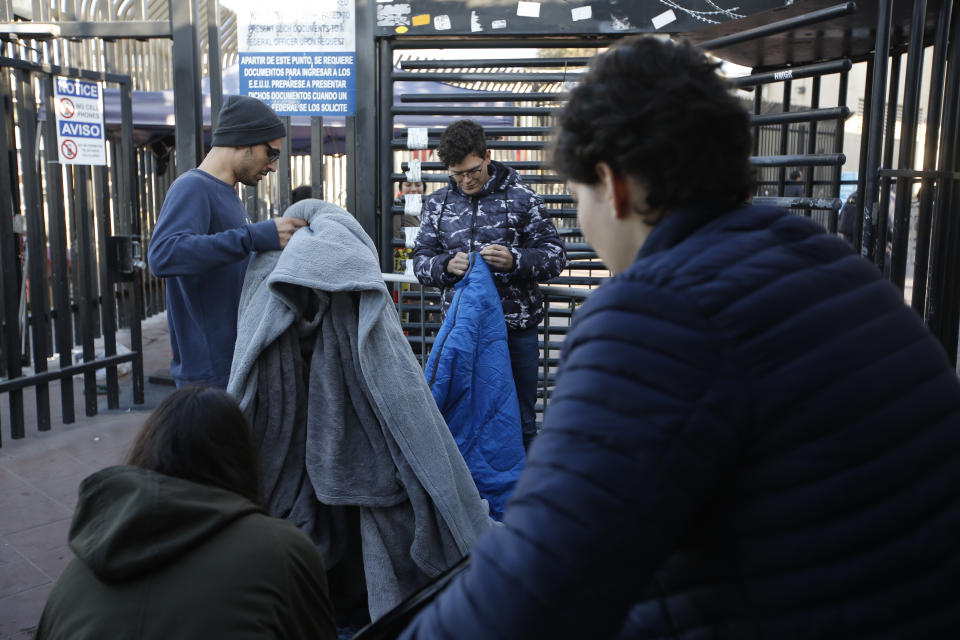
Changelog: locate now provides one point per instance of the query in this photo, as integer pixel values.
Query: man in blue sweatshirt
(203, 240)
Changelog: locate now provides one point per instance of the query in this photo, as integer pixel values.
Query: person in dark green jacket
(175, 544)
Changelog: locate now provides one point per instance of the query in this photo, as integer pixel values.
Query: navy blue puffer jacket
(751, 437)
(505, 212)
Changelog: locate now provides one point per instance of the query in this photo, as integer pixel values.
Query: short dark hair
(199, 434)
(795, 174)
(422, 183)
(302, 192)
(658, 111)
(459, 140)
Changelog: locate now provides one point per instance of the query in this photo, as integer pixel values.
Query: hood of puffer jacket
(501, 176)
(130, 521)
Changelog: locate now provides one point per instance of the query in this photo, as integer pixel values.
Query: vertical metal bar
(316, 157)
(811, 143)
(58, 249)
(838, 148)
(107, 302)
(187, 105)
(85, 294)
(365, 122)
(350, 133)
(9, 262)
(136, 336)
(213, 61)
(128, 215)
(757, 108)
(908, 137)
(423, 328)
(862, 233)
(546, 350)
(37, 246)
(250, 196)
(934, 111)
(385, 156)
(784, 135)
(283, 169)
(884, 211)
(942, 312)
(71, 199)
(875, 133)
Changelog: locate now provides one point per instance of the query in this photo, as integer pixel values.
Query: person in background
(794, 186)
(407, 220)
(847, 223)
(487, 208)
(751, 435)
(403, 253)
(303, 192)
(203, 240)
(176, 544)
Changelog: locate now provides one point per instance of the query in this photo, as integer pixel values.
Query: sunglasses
(273, 154)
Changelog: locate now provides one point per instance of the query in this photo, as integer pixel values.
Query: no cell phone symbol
(69, 149)
(67, 108)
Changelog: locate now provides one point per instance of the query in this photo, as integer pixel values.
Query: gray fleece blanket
(342, 414)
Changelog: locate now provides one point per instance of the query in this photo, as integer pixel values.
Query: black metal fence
(70, 249)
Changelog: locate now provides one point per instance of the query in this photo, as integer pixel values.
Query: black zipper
(453, 319)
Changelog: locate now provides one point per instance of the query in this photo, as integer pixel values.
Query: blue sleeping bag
(470, 377)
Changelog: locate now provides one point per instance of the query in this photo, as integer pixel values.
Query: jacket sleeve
(310, 612)
(540, 256)
(429, 257)
(182, 246)
(634, 440)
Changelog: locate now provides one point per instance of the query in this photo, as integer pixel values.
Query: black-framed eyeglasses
(273, 154)
(467, 173)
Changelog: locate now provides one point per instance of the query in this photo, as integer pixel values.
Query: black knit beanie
(246, 121)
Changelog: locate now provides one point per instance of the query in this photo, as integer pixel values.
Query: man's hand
(286, 228)
(458, 264)
(498, 257)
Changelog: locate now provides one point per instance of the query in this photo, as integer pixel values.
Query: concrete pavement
(39, 476)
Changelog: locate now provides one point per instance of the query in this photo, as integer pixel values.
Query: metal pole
(283, 168)
(187, 105)
(934, 111)
(784, 136)
(37, 246)
(316, 157)
(365, 122)
(213, 61)
(862, 234)
(943, 299)
(101, 209)
(86, 296)
(58, 249)
(883, 218)
(9, 262)
(875, 134)
(908, 135)
(838, 148)
(385, 156)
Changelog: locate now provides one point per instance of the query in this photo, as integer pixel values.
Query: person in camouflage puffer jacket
(488, 209)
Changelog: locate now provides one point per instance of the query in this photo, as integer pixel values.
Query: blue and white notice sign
(80, 135)
(298, 57)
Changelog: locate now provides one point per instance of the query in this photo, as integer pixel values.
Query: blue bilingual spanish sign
(70, 129)
(78, 88)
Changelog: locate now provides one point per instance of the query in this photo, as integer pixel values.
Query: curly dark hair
(459, 140)
(658, 111)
